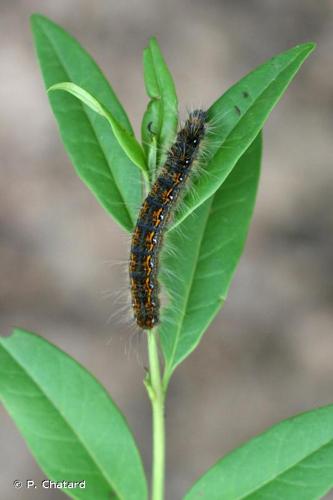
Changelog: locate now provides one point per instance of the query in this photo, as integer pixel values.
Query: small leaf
(126, 139)
(162, 112)
(93, 149)
(71, 425)
(238, 116)
(206, 248)
(292, 460)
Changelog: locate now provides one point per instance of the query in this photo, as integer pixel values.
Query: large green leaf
(69, 422)
(292, 460)
(159, 124)
(94, 150)
(238, 116)
(204, 253)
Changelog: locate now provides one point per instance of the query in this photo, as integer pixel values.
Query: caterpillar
(154, 216)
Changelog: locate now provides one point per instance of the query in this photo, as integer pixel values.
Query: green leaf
(126, 139)
(93, 149)
(161, 117)
(205, 250)
(238, 116)
(153, 114)
(293, 459)
(71, 425)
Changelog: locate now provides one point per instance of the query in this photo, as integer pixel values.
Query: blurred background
(268, 355)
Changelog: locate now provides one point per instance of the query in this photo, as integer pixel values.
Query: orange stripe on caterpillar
(154, 216)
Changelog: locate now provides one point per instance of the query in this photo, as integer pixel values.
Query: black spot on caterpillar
(154, 216)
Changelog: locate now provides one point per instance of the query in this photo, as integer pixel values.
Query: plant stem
(157, 398)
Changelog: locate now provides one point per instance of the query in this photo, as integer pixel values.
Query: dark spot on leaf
(245, 94)
(149, 127)
(238, 110)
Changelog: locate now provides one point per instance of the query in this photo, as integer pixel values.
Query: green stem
(157, 398)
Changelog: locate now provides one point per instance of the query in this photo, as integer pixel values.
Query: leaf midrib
(89, 453)
(65, 69)
(160, 98)
(222, 296)
(169, 370)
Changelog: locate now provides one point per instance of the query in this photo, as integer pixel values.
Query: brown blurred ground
(269, 353)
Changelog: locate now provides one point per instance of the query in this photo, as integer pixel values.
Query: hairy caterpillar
(154, 216)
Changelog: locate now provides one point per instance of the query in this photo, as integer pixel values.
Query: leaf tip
(306, 49)
(311, 45)
(308, 46)
(153, 43)
(152, 39)
(37, 18)
(34, 18)
(13, 334)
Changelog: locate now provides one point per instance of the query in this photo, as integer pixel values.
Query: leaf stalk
(156, 395)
